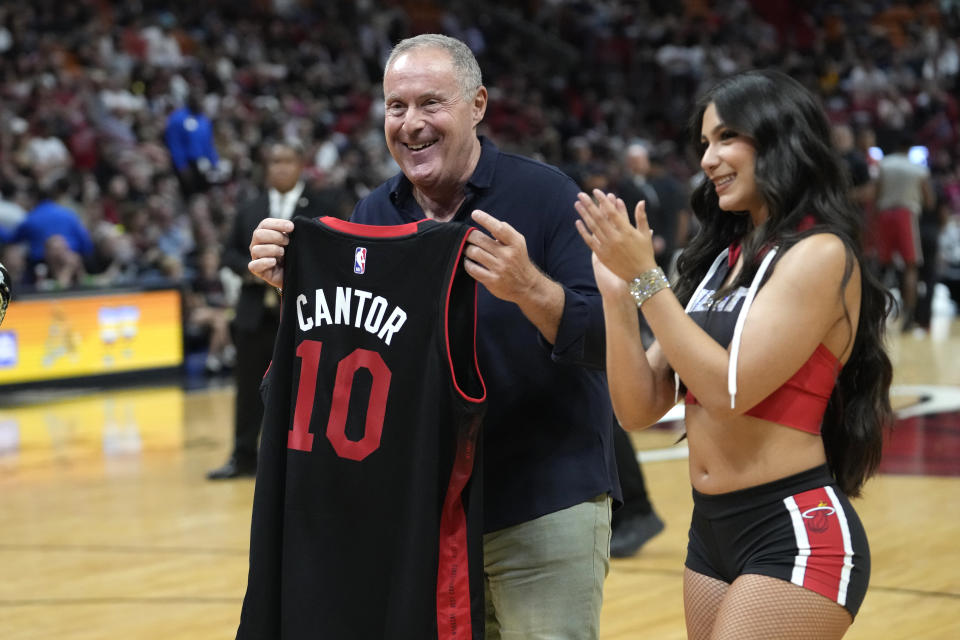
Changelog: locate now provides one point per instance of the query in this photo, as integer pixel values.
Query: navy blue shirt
(548, 432)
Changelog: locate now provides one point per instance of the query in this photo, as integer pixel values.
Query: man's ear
(479, 104)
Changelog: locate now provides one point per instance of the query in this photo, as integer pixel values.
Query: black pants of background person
(635, 522)
(192, 180)
(254, 351)
(929, 242)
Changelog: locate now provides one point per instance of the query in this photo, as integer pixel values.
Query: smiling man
(430, 126)
(549, 471)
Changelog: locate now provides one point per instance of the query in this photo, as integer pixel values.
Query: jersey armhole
(460, 329)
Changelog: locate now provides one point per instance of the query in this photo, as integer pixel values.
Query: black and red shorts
(801, 529)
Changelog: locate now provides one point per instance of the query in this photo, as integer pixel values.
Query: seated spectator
(48, 156)
(208, 312)
(49, 218)
(113, 261)
(172, 233)
(95, 111)
(62, 268)
(11, 213)
(14, 258)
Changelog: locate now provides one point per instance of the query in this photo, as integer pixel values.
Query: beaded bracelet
(647, 284)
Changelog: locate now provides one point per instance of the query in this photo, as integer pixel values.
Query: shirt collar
(293, 193)
(286, 201)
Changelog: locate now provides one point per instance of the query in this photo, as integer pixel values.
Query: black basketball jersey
(366, 514)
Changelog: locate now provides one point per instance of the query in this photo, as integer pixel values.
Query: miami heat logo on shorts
(360, 260)
(819, 516)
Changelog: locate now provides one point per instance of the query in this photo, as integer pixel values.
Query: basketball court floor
(108, 529)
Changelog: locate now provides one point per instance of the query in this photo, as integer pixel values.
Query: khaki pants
(544, 578)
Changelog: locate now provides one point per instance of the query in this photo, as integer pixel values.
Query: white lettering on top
(371, 317)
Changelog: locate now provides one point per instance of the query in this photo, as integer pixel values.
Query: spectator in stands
(858, 172)
(49, 218)
(62, 268)
(48, 157)
(866, 143)
(208, 313)
(863, 188)
(172, 231)
(580, 163)
(114, 258)
(14, 258)
(189, 137)
(11, 213)
(103, 90)
(635, 186)
(674, 220)
(646, 178)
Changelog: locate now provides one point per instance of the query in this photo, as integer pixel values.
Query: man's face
(638, 160)
(428, 125)
(283, 168)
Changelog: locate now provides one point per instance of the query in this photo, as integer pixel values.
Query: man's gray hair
(465, 65)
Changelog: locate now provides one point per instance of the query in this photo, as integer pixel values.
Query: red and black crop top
(802, 400)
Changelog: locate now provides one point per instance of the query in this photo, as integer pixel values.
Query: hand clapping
(625, 250)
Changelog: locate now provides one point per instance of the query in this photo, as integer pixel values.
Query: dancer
(780, 354)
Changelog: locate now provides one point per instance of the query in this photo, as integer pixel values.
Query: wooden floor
(109, 531)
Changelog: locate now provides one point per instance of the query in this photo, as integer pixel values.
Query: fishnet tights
(758, 607)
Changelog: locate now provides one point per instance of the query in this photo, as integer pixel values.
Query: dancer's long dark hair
(799, 175)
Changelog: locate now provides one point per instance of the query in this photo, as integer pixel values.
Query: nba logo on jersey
(360, 260)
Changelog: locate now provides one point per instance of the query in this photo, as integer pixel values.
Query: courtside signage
(65, 337)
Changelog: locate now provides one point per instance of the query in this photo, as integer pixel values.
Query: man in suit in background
(258, 308)
(188, 134)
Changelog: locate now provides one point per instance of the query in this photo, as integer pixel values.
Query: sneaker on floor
(213, 363)
(229, 356)
(633, 532)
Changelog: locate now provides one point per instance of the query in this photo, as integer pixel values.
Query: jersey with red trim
(798, 403)
(367, 508)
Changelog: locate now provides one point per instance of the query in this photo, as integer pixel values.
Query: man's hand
(500, 263)
(604, 225)
(267, 249)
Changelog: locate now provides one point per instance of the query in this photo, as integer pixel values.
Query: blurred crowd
(130, 131)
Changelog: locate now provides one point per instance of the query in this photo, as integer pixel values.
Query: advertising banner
(71, 336)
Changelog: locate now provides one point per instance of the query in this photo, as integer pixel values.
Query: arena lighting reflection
(917, 154)
(111, 424)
